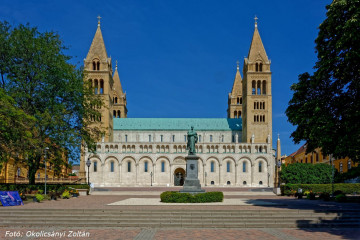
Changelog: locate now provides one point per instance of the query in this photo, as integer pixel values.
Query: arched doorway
(179, 177)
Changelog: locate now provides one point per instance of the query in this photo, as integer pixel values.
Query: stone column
(236, 176)
(220, 168)
(120, 175)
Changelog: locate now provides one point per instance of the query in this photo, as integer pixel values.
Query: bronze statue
(192, 138)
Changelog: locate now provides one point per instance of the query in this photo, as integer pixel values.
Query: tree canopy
(325, 107)
(306, 173)
(48, 103)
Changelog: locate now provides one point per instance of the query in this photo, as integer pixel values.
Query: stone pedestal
(192, 182)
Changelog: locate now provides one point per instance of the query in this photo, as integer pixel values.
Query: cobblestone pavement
(181, 234)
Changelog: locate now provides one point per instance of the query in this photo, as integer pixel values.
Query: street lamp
(46, 149)
(151, 174)
(88, 163)
(332, 175)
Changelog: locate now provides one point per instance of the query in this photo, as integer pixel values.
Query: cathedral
(235, 151)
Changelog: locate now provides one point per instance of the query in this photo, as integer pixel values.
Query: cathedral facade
(234, 151)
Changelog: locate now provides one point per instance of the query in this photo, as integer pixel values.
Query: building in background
(342, 165)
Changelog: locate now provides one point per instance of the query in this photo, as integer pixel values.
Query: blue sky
(178, 58)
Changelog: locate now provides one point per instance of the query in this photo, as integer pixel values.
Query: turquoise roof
(180, 124)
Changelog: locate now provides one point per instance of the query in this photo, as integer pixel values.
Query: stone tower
(257, 100)
(235, 97)
(119, 97)
(98, 71)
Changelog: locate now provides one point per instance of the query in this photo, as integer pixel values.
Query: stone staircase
(179, 218)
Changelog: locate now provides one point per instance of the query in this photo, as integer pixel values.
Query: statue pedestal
(192, 183)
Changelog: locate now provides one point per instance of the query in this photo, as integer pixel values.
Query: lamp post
(46, 149)
(151, 174)
(332, 175)
(278, 171)
(88, 163)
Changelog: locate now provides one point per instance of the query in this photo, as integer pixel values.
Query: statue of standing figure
(192, 138)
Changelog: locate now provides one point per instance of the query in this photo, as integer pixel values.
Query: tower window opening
(235, 114)
(94, 65)
(264, 88)
(260, 67)
(98, 66)
(228, 167)
(254, 105)
(239, 114)
(114, 113)
(101, 86)
(264, 118)
(244, 166)
(256, 67)
(95, 166)
(129, 166)
(241, 100)
(116, 100)
(253, 85)
(260, 166)
(118, 114)
(258, 88)
(96, 83)
(238, 100)
(211, 138)
(162, 166)
(254, 118)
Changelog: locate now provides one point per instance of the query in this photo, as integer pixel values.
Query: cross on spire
(255, 20)
(237, 63)
(98, 17)
(116, 64)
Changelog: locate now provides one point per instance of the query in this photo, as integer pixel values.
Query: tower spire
(257, 50)
(98, 17)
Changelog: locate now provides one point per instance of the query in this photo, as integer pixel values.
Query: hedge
(49, 187)
(346, 188)
(177, 197)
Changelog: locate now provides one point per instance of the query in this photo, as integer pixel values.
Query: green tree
(306, 173)
(37, 75)
(325, 107)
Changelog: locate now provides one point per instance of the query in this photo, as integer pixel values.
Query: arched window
(260, 183)
(264, 118)
(254, 118)
(118, 114)
(228, 167)
(258, 87)
(114, 113)
(253, 85)
(264, 88)
(244, 182)
(162, 166)
(212, 165)
(238, 100)
(129, 166)
(260, 67)
(241, 100)
(116, 100)
(211, 138)
(199, 138)
(239, 114)
(228, 182)
(146, 166)
(244, 166)
(260, 149)
(98, 66)
(257, 118)
(263, 105)
(101, 86)
(256, 67)
(95, 166)
(254, 105)
(112, 166)
(212, 182)
(260, 118)
(257, 105)
(235, 114)
(260, 166)
(94, 65)
(96, 83)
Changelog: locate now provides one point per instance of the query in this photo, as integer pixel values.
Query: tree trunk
(33, 167)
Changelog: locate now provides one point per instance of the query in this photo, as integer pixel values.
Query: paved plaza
(146, 200)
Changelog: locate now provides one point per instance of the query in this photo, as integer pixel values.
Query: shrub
(346, 188)
(297, 173)
(39, 197)
(311, 196)
(325, 196)
(177, 197)
(337, 192)
(66, 194)
(341, 197)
